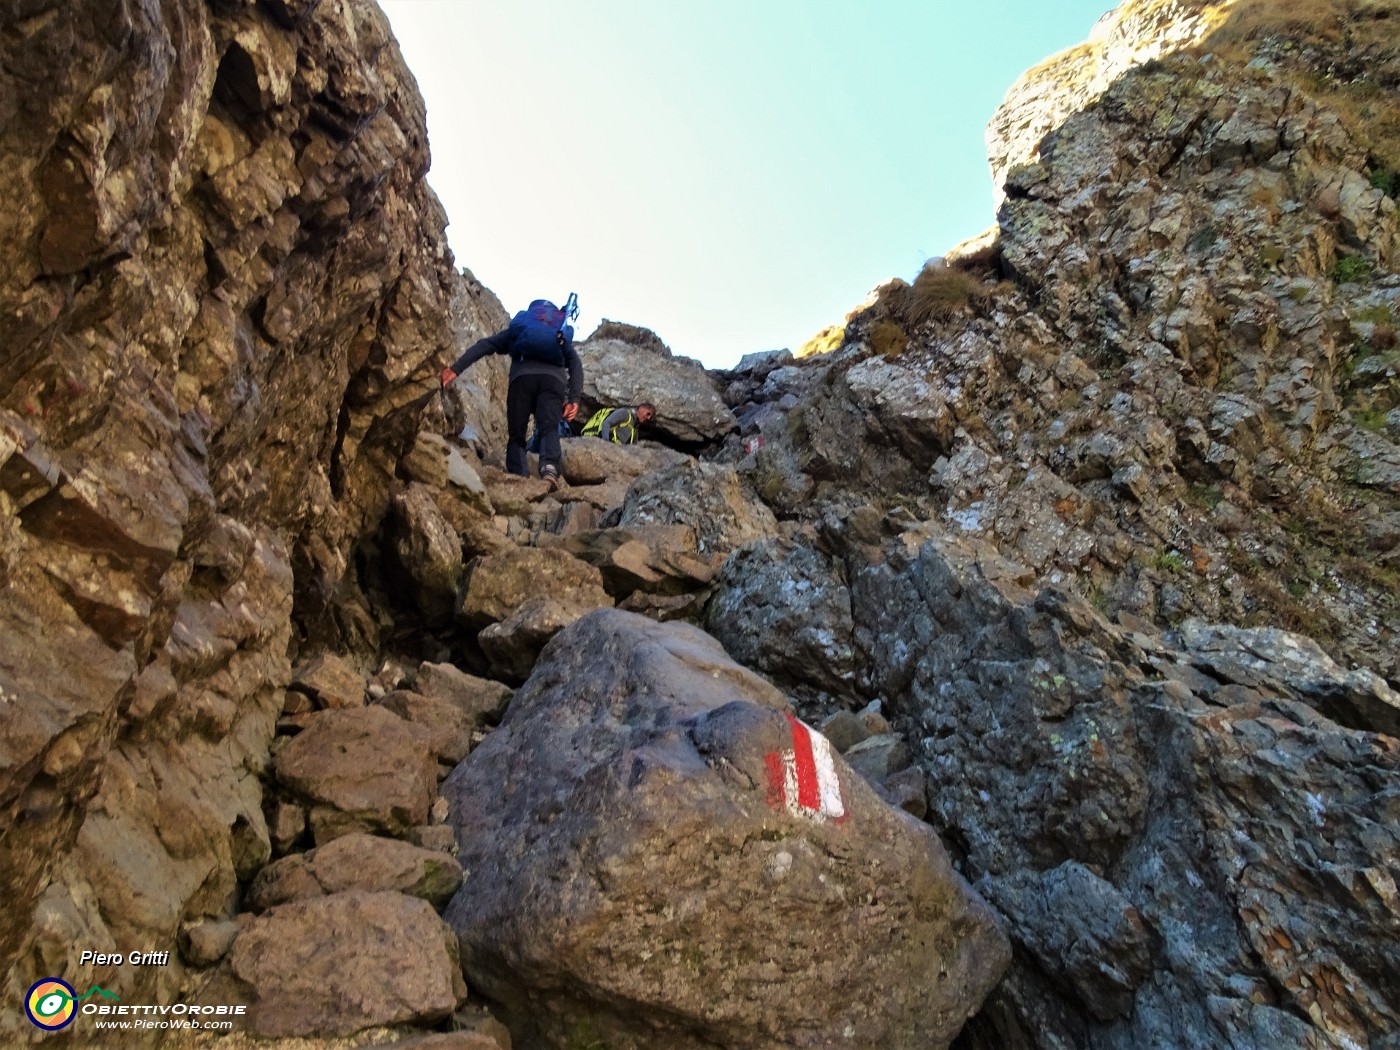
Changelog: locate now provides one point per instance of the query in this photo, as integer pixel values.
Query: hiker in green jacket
(619, 425)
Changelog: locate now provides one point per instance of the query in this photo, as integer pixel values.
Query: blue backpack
(542, 331)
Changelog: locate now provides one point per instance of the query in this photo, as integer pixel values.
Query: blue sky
(733, 175)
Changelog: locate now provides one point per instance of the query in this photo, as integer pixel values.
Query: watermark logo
(50, 1004)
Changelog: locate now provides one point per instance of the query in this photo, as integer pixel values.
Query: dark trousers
(540, 396)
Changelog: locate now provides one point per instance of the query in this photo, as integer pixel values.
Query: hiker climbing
(546, 380)
(619, 425)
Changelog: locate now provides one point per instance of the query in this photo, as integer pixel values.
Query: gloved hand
(447, 375)
(571, 410)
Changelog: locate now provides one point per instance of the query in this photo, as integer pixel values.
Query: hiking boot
(551, 475)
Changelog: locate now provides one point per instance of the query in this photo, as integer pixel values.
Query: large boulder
(687, 866)
(335, 965)
(480, 699)
(655, 559)
(521, 598)
(781, 609)
(425, 554)
(500, 584)
(593, 461)
(357, 862)
(360, 769)
(709, 497)
(633, 369)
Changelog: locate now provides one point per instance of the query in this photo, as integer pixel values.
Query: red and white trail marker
(803, 780)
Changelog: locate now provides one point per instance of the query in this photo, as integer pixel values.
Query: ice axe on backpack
(570, 313)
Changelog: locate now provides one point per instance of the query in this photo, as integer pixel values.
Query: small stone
(844, 730)
(296, 703)
(1133, 482)
(438, 837)
(873, 720)
(908, 789)
(878, 757)
(205, 943)
(331, 681)
(286, 827)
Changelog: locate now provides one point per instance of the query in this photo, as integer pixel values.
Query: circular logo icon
(50, 1004)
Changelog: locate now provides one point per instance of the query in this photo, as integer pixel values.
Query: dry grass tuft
(824, 342)
(1352, 53)
(1263, 197)
(1252, 20)
(888, 339)
(940, 292)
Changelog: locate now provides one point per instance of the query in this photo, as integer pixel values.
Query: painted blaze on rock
(659, 855)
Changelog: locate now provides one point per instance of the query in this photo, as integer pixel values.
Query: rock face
(1134, 32)
(624, 365)
(1085, 515)
(780, 609)
(1170, 404)
(221, 274)
(1183, 846)
(655, 857)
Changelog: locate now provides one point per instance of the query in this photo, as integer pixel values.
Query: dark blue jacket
(503, 341)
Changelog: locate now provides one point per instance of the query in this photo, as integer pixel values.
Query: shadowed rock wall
(222, 279)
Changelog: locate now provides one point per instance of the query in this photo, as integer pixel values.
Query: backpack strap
(594, 426)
